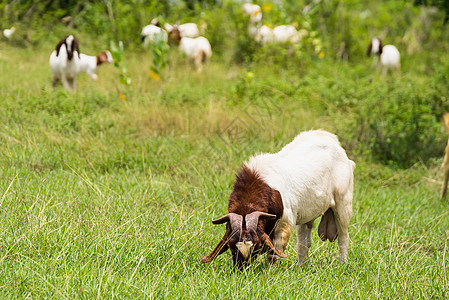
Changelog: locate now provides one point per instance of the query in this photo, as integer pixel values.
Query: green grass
(104, 198)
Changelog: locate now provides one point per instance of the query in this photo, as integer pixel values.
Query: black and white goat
(64, 62)
(309, 178)
(389, 56)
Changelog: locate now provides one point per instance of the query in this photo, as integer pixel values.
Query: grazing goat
(389, 56)
(253, 11)
(89, 64)
(197, 49)
(189, 30)
(151, 32)
(65, 61)
(279, 34)
(310, 177)
(445, 165)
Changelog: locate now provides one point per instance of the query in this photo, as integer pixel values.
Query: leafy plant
(159, 49)
(118, 54)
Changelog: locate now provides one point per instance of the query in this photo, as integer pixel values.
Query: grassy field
(108, 198)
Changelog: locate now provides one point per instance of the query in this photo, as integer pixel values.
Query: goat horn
(267, 240)
(234, 219)
(252, 219)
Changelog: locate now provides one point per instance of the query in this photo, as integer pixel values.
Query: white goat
(309, 178)
(65, 61)
(150, 32)
(189, 30)
(253, 11)
(389, 56)
(89, 64)
(7, 33)
(196, 49)
(279, 34)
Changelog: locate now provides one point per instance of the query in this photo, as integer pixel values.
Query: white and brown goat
(309, 178)
(198, 50)
(64, 62)
(89, 64)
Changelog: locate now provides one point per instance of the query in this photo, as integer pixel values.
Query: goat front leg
(303, 241)
(65, 82)
(282, 234)
(55, 81)
(72, 83)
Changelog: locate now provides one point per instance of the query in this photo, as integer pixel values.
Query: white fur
(244, 248)
(279, 34)
(197, 49)
(88, 64)
(150, 33)
(254, 11)
(189, 30)
(312, 174)
(286, 33)
(64, 69)
(7, 33)
(390, 57)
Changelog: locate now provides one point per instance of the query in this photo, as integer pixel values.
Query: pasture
(107, 196)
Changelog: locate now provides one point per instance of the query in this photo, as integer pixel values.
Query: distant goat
(198, 50)
(150, 32)
(310, 177)
(253, 11)
(189, 30)
(89, 64)
(64, 62)
(279, 34)
(389, 56)
(7, 33)
(445, 165)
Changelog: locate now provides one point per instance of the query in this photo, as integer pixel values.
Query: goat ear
(76, 47)
(219, 249)
(168, 27)
(58, 46)
(266, 239)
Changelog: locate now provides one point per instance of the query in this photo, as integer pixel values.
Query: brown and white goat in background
(309, 178)
(197, 50)
(445, 165)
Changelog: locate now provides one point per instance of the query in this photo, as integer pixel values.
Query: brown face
(174, 36)
(246, 242)
(104, 57)
(246, 248)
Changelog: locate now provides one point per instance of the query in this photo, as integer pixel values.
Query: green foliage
(118, 54)
(159, 49)
(399, 125)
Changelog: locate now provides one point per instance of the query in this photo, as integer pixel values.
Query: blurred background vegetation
(394, 120)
